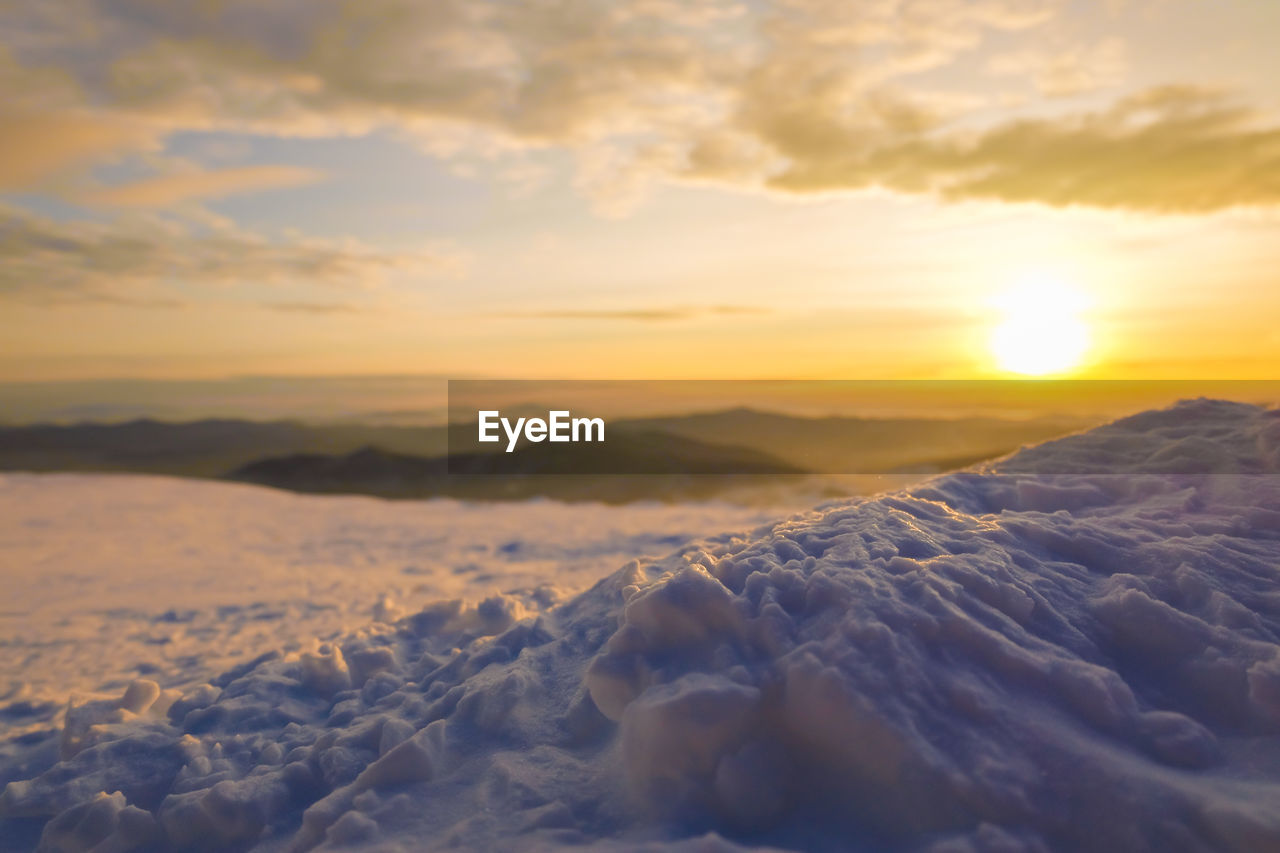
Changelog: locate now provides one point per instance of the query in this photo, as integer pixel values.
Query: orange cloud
(642, 315)
(36, 148)
(168, 190)
(1064, 73)
(320, 308)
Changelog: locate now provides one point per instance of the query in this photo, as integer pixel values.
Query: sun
(1041, 330)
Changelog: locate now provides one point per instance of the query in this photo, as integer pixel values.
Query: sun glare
(1041, 331)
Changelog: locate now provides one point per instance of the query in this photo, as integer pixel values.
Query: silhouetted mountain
(369, 470)
(845, 445)
(627, 451)
(725, 447)
(622, 468)
(205, 448)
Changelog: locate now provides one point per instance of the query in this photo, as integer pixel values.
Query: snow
(1076, 648)
(109, 577)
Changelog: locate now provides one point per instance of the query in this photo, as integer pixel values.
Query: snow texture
(110, 577)
(1070, 649)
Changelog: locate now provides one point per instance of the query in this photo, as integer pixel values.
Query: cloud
(641, 315)
(50, 131)
(156, 261)
(791, 96)
(1066, 73)
(1164, 150)
(312, 307)
(36, 148)
(528, 73)
(168, 190)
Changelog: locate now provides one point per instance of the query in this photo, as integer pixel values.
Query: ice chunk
(674, 736)
(103, 824)
(325, 670)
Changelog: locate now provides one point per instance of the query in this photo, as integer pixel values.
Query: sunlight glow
(1041, 331)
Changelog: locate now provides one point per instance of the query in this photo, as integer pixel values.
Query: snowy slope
(1077, 648)
(111, 576)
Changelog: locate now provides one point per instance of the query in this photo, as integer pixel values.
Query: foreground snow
(108, 577)
(1015, 658)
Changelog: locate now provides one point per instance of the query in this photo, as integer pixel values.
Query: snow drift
(1077, 648)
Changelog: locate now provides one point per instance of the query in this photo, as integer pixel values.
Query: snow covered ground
(109, 577)
(1077, 648)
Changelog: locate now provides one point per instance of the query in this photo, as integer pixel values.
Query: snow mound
(1077, 648)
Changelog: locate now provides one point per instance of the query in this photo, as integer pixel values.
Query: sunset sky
(636, 188)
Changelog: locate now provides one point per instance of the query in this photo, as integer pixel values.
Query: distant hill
(627, 451)
(639, 465)
(713, 450)
(845, 445)
(204, 448)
